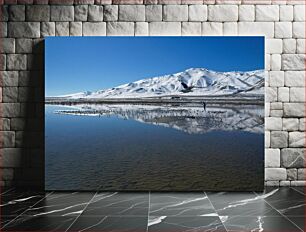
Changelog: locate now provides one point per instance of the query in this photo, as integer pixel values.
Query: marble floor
(275, 210)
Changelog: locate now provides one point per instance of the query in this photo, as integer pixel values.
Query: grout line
(7, 191)
(280, 213)
(149, 211)
(298, 191)
(77, 217)
(14, 219)
(215, 210)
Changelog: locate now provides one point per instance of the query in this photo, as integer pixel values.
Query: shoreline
(158, 101)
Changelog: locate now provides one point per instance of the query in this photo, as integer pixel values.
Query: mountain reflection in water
(192, 119)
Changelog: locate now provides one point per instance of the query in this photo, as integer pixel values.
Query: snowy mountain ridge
(191, 82)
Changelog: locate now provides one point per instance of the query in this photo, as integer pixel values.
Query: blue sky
(75, 64)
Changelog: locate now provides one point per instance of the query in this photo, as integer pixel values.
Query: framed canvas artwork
(154, 113)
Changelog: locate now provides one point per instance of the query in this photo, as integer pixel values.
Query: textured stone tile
(94, 29)
(276, 79)
(16, 62)
(3, 31)
(279, 139)
(167, 2)
(47, 29)
(192, 2)
(274, 46)
(283, 94)
(267, 60)
(111, 12)
(230, 28)
(12, 157)
(4, 13)
(165, 28)
(299, 13)
(300, 46)
(8, 45)
(138, 2)
(150, 2)
(154, 13)
(290, 124)
(246, 13)
(141, 29)
(24, 45)
(175, 13)
(293, 61)
(103, 2)
(95, 13)
(295, 78)
(9, 94)
(272, 158)
(24, 29)
(17, 13)
(286, 13)
(11, 109)
(228, 2)
(62, 13)
(302, 125)
(294, 110)
(81, 12)
(301, 174)
(84, 2)
(276, 105)
(293, 157)
(62, 28)
(257, 2)
(270, 94)
(75, 29)
(2, 62)
(297, 94)
(222, 13)
(191, 29)
(9, 78)
(289, 46)
(272, 183)
(267, 13)
(120, 28)
(197, 13)
(298, 183)
(292, 174)
(296, 139)
(275, 174)
(276, 62)
(283, 30)
(273, 123)
(267, 139)
(276, 113)
(8, 139)
(284, 183)
(131, 13)
(256, 28)
(39, 13)
(298, 30)
(41, 2)
(212, 28)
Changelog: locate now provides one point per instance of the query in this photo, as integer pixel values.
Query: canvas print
(154, 113)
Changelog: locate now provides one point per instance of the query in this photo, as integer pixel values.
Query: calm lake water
(162, 148)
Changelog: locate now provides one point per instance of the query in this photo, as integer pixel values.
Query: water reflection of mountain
(190, 119)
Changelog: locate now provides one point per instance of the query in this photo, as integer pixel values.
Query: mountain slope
(201, 82)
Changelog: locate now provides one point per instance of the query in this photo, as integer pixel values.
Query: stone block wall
(24, 24)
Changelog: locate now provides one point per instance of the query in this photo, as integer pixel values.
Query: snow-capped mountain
(191, 82)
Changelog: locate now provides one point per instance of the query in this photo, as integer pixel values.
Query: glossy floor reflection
(276, 209)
